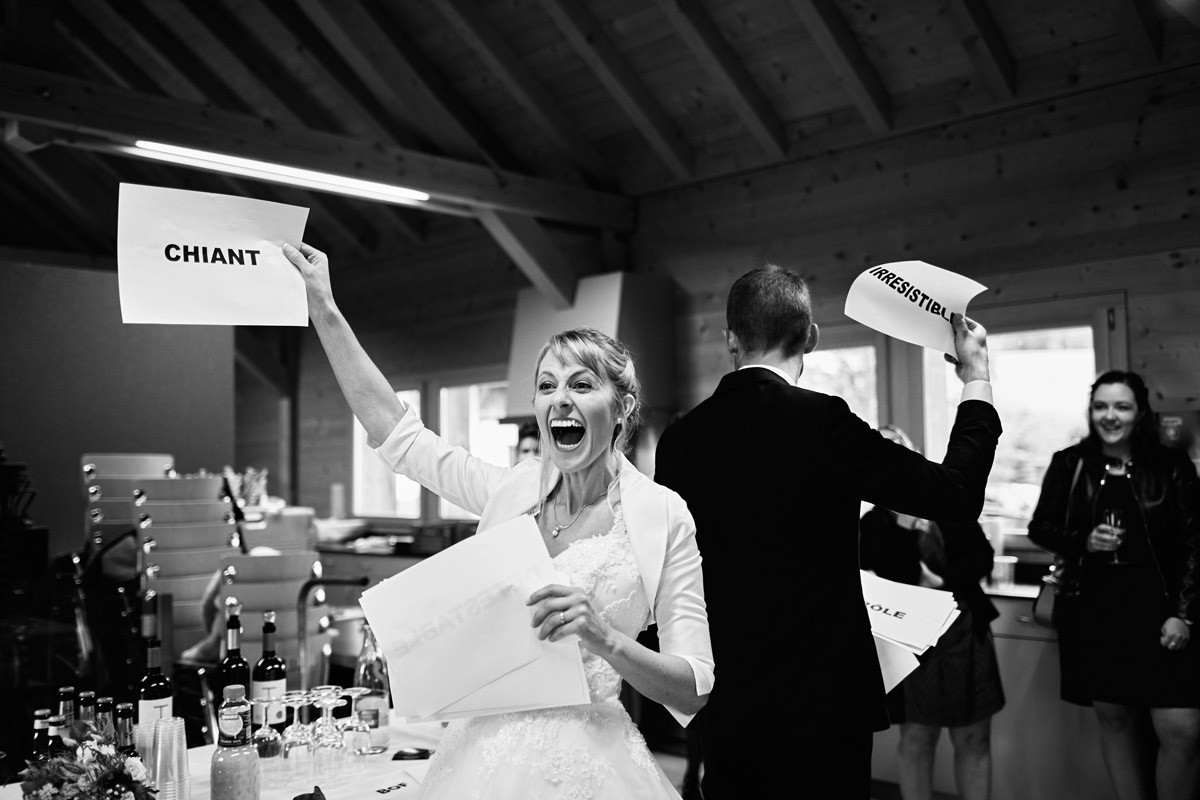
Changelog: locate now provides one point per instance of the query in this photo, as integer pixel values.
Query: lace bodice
(604, 568)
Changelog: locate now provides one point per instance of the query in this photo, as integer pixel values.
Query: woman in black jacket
(1123, 513)
(957, 686)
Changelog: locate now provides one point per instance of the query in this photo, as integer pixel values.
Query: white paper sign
(895, 662)
(194, 258)
(911, 301)
(456, 632)
(913, 617)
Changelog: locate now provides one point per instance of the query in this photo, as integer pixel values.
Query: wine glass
(329, 746)
(1114, 519)
(268, 741)
(297, 739)
(356, 733)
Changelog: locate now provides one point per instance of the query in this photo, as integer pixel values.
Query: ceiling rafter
(841, 49)
(470, 22)
(173, 56)
(276, 79)
(71, 188)
(372, 33)
(709, 47)
(597, 50)
(31, 203)
(82, 107)
(1137, 22)
(984, 45)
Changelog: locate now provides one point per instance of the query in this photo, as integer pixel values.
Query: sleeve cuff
(705, 679)
(977, 390)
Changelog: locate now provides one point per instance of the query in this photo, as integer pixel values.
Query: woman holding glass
(1123, 513)
(627, 544)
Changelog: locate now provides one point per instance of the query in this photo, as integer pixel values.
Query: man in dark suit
(774, 476)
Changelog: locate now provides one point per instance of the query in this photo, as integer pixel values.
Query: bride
(627, 544)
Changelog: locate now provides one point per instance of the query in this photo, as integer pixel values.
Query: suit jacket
(774, 476)
(660, 528)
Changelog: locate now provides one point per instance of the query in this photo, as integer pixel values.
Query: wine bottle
(106, 724)
(371, 672)
(66, 703)
(269, 679)
(55, 746)
(125, 741)
(233, 668)
(87, 706)
(155, 697)
(234, 769)
(39, 750)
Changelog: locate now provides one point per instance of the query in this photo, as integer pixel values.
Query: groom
(774, 476)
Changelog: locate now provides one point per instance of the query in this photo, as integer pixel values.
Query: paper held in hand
(911, 301)
(194, 258)
(905, 621)
(456, 633)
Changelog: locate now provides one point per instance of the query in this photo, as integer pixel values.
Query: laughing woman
(1123, 512)
(627, 544)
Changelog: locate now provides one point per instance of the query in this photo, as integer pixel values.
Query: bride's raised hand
(313, 266)
(560, 611)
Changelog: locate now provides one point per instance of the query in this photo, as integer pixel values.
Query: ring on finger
(562, 618)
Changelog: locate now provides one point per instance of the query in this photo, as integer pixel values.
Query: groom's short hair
(770, 307)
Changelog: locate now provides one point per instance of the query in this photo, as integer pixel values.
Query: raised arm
(368, 392)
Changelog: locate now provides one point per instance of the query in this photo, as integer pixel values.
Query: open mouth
(567, 433)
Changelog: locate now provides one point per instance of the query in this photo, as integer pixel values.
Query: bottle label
(234, 725)
(373, 709)
(275, 713)
(151, 710)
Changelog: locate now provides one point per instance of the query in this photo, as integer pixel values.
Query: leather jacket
(1168, 493)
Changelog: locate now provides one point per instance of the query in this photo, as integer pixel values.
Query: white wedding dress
(587, 752)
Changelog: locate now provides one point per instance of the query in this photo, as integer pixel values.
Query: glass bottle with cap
(66, 703)
(105, 722)
(39, 750)
(124, 726)
(87, 706)
(373, 707)
(54, 744)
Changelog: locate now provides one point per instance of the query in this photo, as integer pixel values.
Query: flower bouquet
(90, 768)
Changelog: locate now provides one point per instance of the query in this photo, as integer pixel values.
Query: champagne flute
(297, 739)
(1114, 520)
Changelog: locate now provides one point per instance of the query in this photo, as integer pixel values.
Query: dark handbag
(1054, 583)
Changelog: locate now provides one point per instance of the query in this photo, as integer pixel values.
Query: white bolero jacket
(660, 527)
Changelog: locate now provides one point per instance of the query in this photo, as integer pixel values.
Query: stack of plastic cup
(170, 760)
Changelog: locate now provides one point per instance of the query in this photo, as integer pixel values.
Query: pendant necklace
(560, 527)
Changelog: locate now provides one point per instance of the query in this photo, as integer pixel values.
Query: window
(379, 492)
(1042, 357)
(849, 373)
(466, 415)
(470, 418)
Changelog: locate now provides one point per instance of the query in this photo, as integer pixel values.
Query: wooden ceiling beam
(597, 50)
(471, 23)
(30, 257)
(172, 55)
(82, 107)
(45, 214)
(293, 98)
(535, 254)
(841, 49)
(981, 39)
(71, 190)
(1137, 22)
(716, 56)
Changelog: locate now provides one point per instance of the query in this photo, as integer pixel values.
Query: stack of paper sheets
(455, 630)
(906, 621)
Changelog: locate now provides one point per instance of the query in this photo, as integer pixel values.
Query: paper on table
(910, 616)
(194, 258)
(911, 301)
(456, 622)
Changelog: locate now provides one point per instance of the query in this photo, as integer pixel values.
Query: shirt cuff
(977, 390)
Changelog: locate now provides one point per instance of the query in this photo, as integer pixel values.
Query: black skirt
(957, 683)
(1109, 642)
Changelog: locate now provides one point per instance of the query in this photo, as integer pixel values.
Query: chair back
(275, 583)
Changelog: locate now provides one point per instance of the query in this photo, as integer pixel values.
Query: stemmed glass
(268, 741)
(1113, 519)
(356, 733)
(297, 739)
(329, 746)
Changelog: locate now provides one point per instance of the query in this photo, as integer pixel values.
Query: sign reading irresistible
(194, 258)
(911, 301)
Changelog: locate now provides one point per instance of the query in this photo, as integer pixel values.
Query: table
(383, 776)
